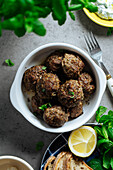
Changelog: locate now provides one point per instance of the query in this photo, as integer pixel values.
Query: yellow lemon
(82, 141)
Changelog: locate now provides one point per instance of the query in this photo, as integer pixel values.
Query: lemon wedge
(82, 142)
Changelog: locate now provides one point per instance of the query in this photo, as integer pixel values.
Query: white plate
(36, 57)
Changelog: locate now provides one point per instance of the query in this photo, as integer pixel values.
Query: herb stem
(75, 7)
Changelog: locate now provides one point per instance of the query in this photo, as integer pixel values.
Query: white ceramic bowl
(13, 161)
(36, 57)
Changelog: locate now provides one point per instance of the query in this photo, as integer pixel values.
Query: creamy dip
(7, 167)
(105, 9)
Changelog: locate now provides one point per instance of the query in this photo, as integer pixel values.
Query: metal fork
(96, 54)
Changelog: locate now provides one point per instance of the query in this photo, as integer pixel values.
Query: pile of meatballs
(60, 86)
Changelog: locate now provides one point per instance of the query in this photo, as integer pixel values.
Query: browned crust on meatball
(86, 82)
(77, 110)
(36, 102)
(70, 93)
(55, 116)
(54, 61)
(47, 86)
(31, 76)
(72, 65)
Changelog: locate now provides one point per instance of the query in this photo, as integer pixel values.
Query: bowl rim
(16, 159)
(95, 18)
(14, 89)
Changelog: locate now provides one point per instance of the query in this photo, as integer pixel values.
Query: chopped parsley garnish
(44, 68)
(71, 93)
(43, 90)
(39, 145)
(9, 62)
(45, 106)
(72, 97)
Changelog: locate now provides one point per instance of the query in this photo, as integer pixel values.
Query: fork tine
(88, 42)
(94, 40)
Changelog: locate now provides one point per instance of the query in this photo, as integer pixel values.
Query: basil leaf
(110, 133)
(91, 7)
(72, 16)
(104, 132)
(14, 22)
(39, 145)
(111, 162)
(101, 110)
(59, 10)
(106, 118)
(110, 30)
(9, 62)
(39, 28)
(95, 164)
(20, 32)
(102, 141)
(98, 130)
(107, 158)
(110, 113)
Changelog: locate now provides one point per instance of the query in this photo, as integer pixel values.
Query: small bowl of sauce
(13, 163)
(104, 15)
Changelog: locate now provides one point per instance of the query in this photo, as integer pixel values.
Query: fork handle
(110, 85)
(108, 77)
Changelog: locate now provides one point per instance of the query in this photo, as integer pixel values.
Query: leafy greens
(105, 140)
(23, 16)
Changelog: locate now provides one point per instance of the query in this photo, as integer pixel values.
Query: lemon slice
(82, 141)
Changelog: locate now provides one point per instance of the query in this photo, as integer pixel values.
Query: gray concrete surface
(17, 136)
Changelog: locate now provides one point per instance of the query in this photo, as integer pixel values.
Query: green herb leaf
(110, 113)
(43, 90)
(111, 162)
(39, 28)
(102, 141)
(101, 110)
(59, 11)
(98, 130)
(39, 145)
(45, 106)
(9, 62)
(110, 133)
(20, 32)
(71, 93)
(49, 104)
(91, 7)
(44, 68)
(95, 164)
(107, 158)
(106, 118)
(110, 30)
(72, 16)
(104, 132)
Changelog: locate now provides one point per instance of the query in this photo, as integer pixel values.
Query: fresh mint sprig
(24, 15)
(105, 140)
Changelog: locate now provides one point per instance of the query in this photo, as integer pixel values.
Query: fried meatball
(55, 116)
(47, 86)
(77, 110)
(31, 75)
(36, 102)
(72, 65)
(86, 82)
(70, 93)
(54, 61)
